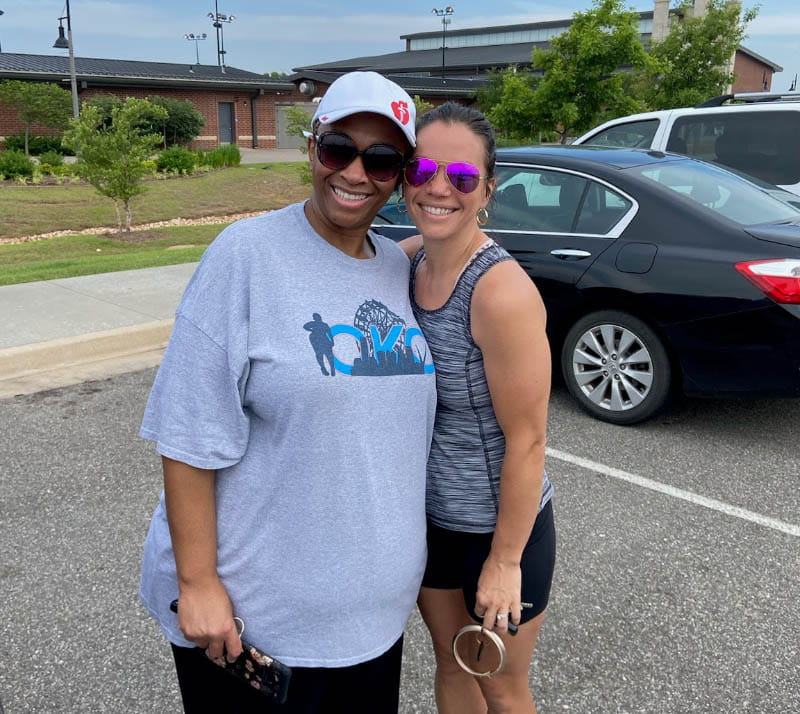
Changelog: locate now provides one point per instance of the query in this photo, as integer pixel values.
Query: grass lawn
(89, 254)
(30, 210)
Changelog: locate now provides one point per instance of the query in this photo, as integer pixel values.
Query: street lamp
(217, 19)
(196, 39)
(444, 13)
(1, 47)
(65, 43)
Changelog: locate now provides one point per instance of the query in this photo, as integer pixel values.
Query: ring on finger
(501, 616)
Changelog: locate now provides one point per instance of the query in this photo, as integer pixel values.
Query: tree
(112, 157)
(276, 75)
(298, 121)
(106, 103)
(510, 97)
(694, 58)
(582, 83)
(37, 103)
(489, 93)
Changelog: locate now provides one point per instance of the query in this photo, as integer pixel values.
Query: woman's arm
(508, 324)
(205, 615)
(411, 245)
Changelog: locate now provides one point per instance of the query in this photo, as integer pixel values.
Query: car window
(719, 190)
(635, 134)
(764, 144)
(536, 199)
(393, 213)
(602, 209)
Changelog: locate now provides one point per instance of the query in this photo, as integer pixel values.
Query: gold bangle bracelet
(493, 637)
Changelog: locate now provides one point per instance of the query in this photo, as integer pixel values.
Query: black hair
(475, 121)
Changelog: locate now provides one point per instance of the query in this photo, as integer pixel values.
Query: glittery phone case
(260, 671)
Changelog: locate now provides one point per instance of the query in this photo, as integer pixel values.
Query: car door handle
(565, 253)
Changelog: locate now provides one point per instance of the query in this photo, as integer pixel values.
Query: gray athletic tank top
(468, 444)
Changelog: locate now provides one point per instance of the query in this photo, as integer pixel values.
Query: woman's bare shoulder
(506, 290)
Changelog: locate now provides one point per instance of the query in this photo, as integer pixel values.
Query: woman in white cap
(293, 413)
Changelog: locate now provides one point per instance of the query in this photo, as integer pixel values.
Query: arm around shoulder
(411, 245)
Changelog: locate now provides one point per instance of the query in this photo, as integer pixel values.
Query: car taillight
(779, 279)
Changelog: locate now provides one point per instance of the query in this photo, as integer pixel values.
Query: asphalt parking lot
(676, 583)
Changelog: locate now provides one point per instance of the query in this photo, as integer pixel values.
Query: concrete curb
(16, 362)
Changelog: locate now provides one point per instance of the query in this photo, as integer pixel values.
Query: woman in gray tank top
(491, 539)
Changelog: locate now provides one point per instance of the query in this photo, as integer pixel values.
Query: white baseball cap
(357, 92)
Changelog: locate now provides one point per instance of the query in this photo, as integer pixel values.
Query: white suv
(760, 136)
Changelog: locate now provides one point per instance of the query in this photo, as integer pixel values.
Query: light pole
(217, 19)
(444, 13)
(196, 39)
(65, 43)
(1, 47)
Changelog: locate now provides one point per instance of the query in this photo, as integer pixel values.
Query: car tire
(616, 367)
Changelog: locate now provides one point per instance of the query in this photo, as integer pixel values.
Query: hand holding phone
(206, 619)
(261, 671)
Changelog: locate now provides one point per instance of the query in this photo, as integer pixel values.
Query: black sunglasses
(336, 151)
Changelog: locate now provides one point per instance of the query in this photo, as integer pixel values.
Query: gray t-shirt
(299, 374)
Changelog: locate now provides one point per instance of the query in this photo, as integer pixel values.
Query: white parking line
(695, 498)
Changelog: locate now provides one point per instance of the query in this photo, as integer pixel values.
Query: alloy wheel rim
(612, 367)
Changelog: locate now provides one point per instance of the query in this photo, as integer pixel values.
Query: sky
(271, 36)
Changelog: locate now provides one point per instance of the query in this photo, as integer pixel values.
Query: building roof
(479, 57)
(55, 68)
(429, 86)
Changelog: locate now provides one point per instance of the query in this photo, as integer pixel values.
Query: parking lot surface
(675, 590)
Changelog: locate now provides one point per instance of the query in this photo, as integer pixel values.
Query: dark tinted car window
(633, 135)
(764, 144)
(535, 199)
(602, 209)
(393, 213)
(718, 190)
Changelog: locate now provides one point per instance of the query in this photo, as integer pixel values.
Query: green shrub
(176, 159)
(53, 158)
(233, 157)
(150, 166)
(63, 170)
(182, 123)
(36, 144)
(200, 157)
(14, 164)
(226, 155)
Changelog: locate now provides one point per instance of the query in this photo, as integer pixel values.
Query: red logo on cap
(400, 110)
(325, 118)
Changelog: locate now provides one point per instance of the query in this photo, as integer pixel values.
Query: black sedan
(659, 273)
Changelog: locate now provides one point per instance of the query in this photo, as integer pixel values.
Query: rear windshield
(719, 190)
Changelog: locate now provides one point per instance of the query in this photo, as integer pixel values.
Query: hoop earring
(401, 206)
(483, 217)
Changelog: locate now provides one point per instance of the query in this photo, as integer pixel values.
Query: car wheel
(616, 367)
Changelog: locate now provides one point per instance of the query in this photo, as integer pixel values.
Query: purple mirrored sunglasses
(462, 176)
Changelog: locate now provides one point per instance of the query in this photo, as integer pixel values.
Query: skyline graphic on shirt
(381, 344)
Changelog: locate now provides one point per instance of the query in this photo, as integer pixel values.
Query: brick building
(238, 106)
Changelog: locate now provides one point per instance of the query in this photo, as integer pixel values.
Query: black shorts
(371, 687)
(455, 560)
